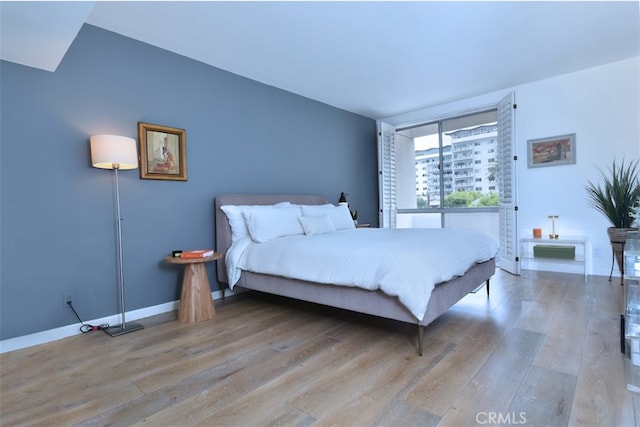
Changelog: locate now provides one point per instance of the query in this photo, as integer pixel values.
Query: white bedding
(406, 263)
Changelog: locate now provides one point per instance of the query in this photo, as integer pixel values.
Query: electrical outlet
(67, 298)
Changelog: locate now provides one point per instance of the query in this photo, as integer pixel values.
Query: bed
(365, 300)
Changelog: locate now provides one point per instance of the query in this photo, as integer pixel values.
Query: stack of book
(200, 253)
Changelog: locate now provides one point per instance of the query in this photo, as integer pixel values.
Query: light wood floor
(540, 351)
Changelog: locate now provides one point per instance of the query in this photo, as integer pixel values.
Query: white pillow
(235, 216)
(316, 224)
(340, 215)
(268, 224)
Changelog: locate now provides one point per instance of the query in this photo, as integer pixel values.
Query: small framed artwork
(554, 151)
(163, 152)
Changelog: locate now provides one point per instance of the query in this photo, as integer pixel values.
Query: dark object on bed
(360, 300)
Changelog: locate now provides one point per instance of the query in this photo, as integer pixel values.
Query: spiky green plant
(618, 195)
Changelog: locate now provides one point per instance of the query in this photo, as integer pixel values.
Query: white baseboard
(24, 341)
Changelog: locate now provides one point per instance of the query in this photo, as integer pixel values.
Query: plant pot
(618, 237)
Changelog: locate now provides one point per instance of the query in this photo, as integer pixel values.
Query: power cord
(86, 327)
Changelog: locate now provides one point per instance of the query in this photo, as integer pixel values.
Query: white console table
(581, 244)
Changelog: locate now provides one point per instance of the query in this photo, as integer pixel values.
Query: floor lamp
(116, 153)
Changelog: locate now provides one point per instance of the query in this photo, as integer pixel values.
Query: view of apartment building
(468, 164)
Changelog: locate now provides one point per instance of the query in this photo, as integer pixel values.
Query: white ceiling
(377, 59)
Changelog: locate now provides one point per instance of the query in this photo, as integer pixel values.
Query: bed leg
(420, 339)
(487, 288)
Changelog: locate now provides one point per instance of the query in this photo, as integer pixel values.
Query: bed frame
(375, 303)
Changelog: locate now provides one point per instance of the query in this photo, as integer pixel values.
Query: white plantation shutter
(507, 206)
(387, 174)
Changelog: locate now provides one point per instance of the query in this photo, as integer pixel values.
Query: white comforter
(406, 263)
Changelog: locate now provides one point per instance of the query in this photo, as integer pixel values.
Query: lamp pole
(116, 166)
(123, 328)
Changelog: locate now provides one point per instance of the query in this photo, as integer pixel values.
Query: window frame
(443, 209)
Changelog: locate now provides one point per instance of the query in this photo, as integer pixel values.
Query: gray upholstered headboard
(223, 230)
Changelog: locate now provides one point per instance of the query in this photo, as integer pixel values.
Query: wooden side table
(196, 303)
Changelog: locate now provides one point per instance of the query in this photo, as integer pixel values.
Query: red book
(200, 253)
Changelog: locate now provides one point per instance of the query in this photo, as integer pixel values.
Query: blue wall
(57, 223)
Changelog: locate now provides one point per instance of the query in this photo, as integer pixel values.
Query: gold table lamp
(553, 234)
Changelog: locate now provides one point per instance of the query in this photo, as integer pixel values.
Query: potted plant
(617, 197)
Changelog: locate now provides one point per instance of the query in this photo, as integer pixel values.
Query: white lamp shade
(111, 151)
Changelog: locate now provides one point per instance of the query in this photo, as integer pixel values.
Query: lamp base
(116, 330)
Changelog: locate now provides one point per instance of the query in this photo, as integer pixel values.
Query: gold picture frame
(163, 152)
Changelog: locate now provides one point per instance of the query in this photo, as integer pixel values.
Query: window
(452, 154)
(447, 149)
